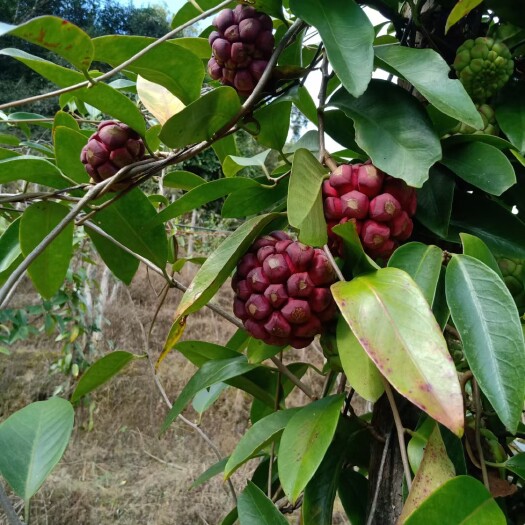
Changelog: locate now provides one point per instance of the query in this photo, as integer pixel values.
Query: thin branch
(477, 404)
(320, 108)
(400, 432)
(293, 378)
(124, 64)
(336, 268)
(10, 512)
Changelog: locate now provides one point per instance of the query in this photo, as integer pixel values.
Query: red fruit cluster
(113, 146)
(241, 47)
(282, 292)
(380, 206)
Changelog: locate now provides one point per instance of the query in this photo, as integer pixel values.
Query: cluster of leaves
(442, 294)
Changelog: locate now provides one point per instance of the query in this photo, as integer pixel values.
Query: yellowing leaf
(461, 9)
(160, 102)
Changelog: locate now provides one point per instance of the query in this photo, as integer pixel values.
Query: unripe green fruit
(490, 126)
(483, 66)
(513, 271)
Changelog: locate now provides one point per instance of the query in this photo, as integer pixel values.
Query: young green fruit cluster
(241, 47)
(282, 291)
(113, 146)
(513, 271)
(380, 206)
(484, 66)
(490, 126)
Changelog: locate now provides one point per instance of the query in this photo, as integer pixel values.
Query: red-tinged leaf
(435, 470)
(392, 320)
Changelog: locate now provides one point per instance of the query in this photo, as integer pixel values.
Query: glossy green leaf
(434, 200)
(203, 194)
(36, 437)
(481, 165)
(100, 372)
(210, 373)
(125, 221)
(510, 115)
(422, 263)
(10, 249)
(224, 147)
(202, 118)
(274, 121)
(347, 35)
(257, 437)
(56, 35)
(487, 320)
(467, 502)
(49, 269)
(305, 186)
(476, 248)
(257, 350)
(353, 493)
(341, 128)
(209, 473)
(168, 64)
(392, 320)
(392, 127)
(32, 169)
(233, 164)
(123, 265)
(313, 231)
(188, 11)
(516, 464)
(361, 372)
(100, 96)
(207, 396)
(459, 11)
(68, 145)
(9, 140)
(255, 508)
(64, 119)
(184, 180)
(8, 154)
(198, 46)
(428, 72)
(304, 442)
(433, 472)
(250, 201)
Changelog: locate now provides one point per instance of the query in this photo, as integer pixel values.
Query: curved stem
(10, 512)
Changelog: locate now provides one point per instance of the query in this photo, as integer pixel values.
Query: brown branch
(477, 404)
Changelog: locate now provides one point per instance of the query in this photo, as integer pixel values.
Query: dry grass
(121, 472)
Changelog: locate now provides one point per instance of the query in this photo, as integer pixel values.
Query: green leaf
(35, 437)
(225, 146)
(467, 502)
(202, 118)
(434, 201)
(304, 442)
(214, 470)
(100, 372)
(65, 119)
(256, 509)
(198, 46)
(434, 471)
(313, 231)
(125, 221)
(499, 228)
(393, 128)
(210, 373)
(123, 265)
(184, 180)
(189, 11)
(32, 169)
(274, 121)
(257, 351)
(428, 72)
(168, 64)
(353, 493)
(206, 397)
(100, 96)
(257, 437)
(361, 372)
(459, 11)
(9, 140)
(481, 165)
(422, 263)
(305, 186)
(10, 249)
(510, 115)
(56, 35)
(392, 320)
(68, 145)
(516, 464)
(49, 269)
(347, 35)
(232, 164)
(479, 250)
(487, 320)
(202, 194)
